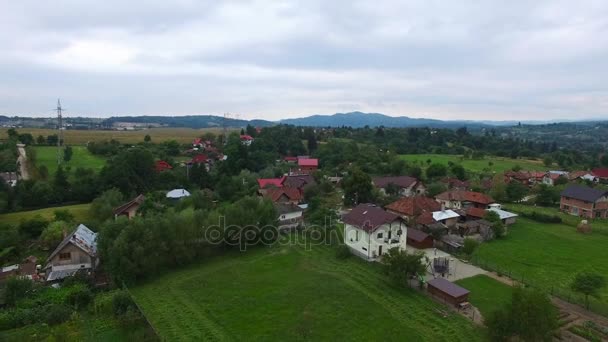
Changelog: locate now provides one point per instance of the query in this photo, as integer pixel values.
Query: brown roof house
(369, 231)
(78, 251)
(405, 185)
(459, 199)
(130, 208)
(411, 208)
(584, 202)
(290, 216)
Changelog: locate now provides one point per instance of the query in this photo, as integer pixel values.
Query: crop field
(546, 255)
(289, 293)
(75, 137)
(81, 157)
(498, 164)
(80, 212)
(487, 294)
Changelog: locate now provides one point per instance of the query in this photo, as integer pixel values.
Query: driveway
(457, 269)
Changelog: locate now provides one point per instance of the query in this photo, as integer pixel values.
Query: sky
(479, 60)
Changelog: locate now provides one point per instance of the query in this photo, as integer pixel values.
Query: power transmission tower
(60, 133)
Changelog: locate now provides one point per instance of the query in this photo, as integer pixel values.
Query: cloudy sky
(498, 60)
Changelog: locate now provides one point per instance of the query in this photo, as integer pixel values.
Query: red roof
(425, 218)
(290, 159)
(413, 206)
(602, 173)
(266, 182)
(246, 137)
(196, 141)
(308, 162)
(470, 196)
(291, 194)
(199, 158)
(162, 165)
(476, 212)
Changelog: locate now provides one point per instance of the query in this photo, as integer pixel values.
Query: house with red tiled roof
(456, 184)
(407, 186)
(458, 199)
(199, 159)
(284, 195)
(130, 208)
(601, 174)
(246, 139)
(410, 208)
(161, 165)
(290, 159)
(370, 231)
(527, 178)
(308, 165)
(552, 176)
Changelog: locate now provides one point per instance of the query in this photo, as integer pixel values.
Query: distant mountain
(191, 121)
(359, 119)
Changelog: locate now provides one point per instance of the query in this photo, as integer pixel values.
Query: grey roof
(448, 287)
(178, 193)
(284, 208)
(583, 193)
(400, 181)
(83, 238)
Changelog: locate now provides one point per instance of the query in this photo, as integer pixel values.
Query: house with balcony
(369, 231)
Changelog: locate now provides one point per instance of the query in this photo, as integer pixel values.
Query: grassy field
(546, 255)
(499, 164)
(288, 293)
(599, 225)
(487, 294)
(182, 135)
(80, 212)
(81, 157)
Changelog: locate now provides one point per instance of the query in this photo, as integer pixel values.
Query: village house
(406, 186)
(308, 165)
(130, 208)
(290, 216)
(284, 195)
(27, 269)
(584, 202)
(528, 178)
(370, 231)
(458, 199)
(601, 174)
(410, 208)
(447, 217)
(161, 165)
(419, 239)
(246, 139)
(551, 177)
(508, 218)
(77, 251)
(299, 182)
(456, 184)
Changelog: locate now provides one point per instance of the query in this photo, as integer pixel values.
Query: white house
(407, 186)
(290, 216)
(552, 176)
(369, 231)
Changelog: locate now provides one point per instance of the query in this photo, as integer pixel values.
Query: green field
(487, 294)
(599, 225)
(81, 157)
(499, 164)
(80, 212)
(76, 137)
(288, 293)
(546, 255)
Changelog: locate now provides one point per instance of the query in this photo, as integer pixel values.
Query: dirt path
(22, 160)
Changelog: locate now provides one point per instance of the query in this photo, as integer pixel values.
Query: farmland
(498, 165)
(47, 156)
(81, 137)
(80, 212)
(598, 225)
(289, 293)
(546, 255)
(487, 294)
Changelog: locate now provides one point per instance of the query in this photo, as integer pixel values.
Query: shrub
(469, 246)
(79, 297)
(121, 302)
(343, 252)
(540, 217)
(58, 313)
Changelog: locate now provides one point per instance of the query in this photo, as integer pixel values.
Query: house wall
(77, 256)
(367, 245)
(509, 221)
(446, 204)
(576, 207)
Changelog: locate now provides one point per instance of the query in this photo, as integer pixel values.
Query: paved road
(22, 160)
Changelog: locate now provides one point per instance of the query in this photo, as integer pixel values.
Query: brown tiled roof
(400, 181)
(292, 194)
(368, 217)
(414, 206)
(425, 218)
(417, 235)
(476, 212)
(470, 196)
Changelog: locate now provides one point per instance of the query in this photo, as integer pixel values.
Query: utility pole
(60, 133)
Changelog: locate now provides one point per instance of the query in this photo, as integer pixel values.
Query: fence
(594, 305)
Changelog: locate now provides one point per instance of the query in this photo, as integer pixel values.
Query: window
(363, 248)
(65, 256)
(356, 235)
(379, 235)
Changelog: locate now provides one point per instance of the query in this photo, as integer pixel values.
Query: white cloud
(470, 60)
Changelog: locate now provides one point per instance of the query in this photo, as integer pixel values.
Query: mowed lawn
(81, 157)
(80, 212)
(547, 255)
(487, 294)
(599, 225)
(499, 164)
(288, 293)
